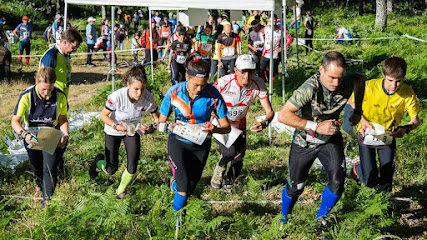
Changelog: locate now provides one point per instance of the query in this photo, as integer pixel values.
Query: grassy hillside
(84, 209)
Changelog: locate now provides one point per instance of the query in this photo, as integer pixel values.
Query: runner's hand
(30, 139)
(365, 125)
(327, 127)
(168, 68)
(64, 140)
(209, 128)
(258, 127)
(220, 64)
(398, 133)
(120, 128)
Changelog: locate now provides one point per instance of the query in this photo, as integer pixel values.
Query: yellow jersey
(388, 109)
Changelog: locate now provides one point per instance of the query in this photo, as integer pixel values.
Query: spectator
(297, 20)
(136, 20)
(310, 24)
(90, 40)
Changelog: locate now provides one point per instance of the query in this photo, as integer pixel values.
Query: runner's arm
(265, 103)
(63, 125)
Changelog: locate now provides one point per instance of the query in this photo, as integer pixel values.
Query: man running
(165, 33)
(228, 50)
(24, 39)
(385, 102)
(313, 110)
(239, 90)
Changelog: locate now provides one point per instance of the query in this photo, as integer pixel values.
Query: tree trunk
(361, 7)
(103, 13)
(49, 8)
(381, 15)
(58, 7)
(389, 6)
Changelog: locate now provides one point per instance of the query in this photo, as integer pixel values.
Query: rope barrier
(414, 38)
(349, 39)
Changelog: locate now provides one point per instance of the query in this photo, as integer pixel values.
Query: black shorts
(187, 162)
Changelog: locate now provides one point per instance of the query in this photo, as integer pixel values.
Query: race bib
(382, 140)
(228, 52)
(180, 59)
(165, 34)
(317, 139)
(309, 31)
(236, 113)
(257, 43)
(26, 34)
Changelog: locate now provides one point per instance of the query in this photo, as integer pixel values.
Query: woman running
(180, 48)
(121, 115)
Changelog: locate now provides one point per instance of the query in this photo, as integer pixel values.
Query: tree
(103, 13)
(389, 6)
(381, 15)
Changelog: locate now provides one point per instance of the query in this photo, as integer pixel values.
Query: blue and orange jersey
(195, 112)
(24, 32)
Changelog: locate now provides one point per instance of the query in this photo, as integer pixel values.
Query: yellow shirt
(251, 18)
(388, 109)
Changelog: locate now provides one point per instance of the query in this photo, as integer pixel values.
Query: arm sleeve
(112, 102)
(166, 104)
(22, 106)
(219, 40)
(62, 104)
(302, 95)
(18, 27)
(412, 105)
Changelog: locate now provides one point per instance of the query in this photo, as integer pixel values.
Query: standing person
(172, 20)
(265, 37)
(343, 35)
(24, 39)
(228, 50)
(58, 58)
(214, 59)
(56, 25)
(385, 102)
(42, 105)
(165, 33)
(90, 40)
(309, 24)
(116, 35)
(298, 18)
(122, 36)
(105, 33)
(127, 20)
(150, 45)
(255, 44)
(239, 90)
(124, 107)
(135, 20)
(193, 101)
(180, 49)
(135, 45)
(317, 133)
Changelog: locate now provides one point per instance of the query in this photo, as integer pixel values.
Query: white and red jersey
(265, 37)
(238, 98)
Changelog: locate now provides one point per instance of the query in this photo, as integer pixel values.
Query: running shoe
(45, 204)
(322, 226)
(93, 170)
(216, 180)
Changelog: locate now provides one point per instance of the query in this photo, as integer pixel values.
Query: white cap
(58, 16)
(90, 19)
(245, 61)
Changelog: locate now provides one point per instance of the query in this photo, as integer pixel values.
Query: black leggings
(265, 63)
(44, 167)
(178, 71)
(226, 65)
(187, 162)
(90, 49)
(367, 171)
(133, 149)
(331, 156)
(235, 155)
(25, 46)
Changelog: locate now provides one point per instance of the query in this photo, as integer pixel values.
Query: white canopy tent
(266, 5)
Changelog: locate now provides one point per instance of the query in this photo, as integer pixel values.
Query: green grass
(84, 209)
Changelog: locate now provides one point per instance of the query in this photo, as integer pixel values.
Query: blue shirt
(90, 28)
(199, 111)
(24, 31)
(173, 21)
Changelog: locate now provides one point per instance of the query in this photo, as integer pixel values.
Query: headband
(198, 74)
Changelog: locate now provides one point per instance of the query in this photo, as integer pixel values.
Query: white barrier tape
(317, 51)
(333, 39)
(92, 53)
(414, 38)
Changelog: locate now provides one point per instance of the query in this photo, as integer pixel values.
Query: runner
(135, 45)
(180, 48)
(193, 102)
(172, 20)
(205, 43)
(90, 40)
(313, 110)
(228, 50)
(24, 39)
(105, 33)
(385, 102)
(122, 112)
(239, 90)
(127, 19)
(42, 105)
(165, 33)
(255, 45)
(148, 45)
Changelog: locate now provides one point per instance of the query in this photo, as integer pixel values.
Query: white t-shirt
(238, 98)
(342, 30)
(123, 110)
(134, 46)
(265, 36)
(298, 11)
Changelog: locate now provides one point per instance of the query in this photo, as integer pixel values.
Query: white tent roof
(211, 4)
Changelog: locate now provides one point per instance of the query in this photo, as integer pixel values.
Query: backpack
(46, 33)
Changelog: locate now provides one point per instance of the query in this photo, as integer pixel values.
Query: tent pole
(284, 53)
(271, 70)
(113, 57)
(65, 15)
(296, 32)
(151, 46)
